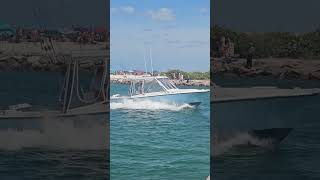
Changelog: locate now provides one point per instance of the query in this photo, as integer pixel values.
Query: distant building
(119, 73)
(138, 72)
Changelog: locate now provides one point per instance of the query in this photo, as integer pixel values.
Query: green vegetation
(270, 44)
(187, 75)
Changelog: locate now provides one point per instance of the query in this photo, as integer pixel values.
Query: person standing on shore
(251, 52)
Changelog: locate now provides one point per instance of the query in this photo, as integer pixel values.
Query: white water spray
(149, 105)
(57, 134)
(221, 147)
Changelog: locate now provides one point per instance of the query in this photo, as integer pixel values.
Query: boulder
(44, 60)
(315, 75)
(18, 58)
(33, 59)
(4, 58)
(36, 66)
(292, 74)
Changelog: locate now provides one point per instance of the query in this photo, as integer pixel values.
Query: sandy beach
(282, 68)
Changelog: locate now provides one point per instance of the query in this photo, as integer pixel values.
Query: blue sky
(177, 31)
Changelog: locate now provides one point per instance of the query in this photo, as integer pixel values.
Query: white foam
(148, 105)
(56, 134)
(219, 148)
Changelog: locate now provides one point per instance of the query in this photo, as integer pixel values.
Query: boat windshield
(167, 83)
(149, 85)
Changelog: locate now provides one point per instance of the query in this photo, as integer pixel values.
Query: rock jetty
(28, 56)
(124, 79)
(277, 68)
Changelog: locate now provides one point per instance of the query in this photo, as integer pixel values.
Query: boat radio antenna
(151, 61)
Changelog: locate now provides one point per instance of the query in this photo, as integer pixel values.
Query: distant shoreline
(279, 68)
(124, 79)
(30, 56)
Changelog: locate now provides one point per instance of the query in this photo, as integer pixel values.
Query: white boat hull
(259, 108)
(181, 96)
(93, 109)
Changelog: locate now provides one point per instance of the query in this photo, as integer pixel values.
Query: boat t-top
(158, 88)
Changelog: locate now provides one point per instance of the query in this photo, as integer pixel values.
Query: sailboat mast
(145, 62)
(151, 62)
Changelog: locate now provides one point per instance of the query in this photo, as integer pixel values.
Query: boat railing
(162, 85)
(167, 84)
(71, 85)
(131, 89)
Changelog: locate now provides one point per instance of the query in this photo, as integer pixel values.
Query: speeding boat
(73, 101)
(259, 108)
(225, 95)
(160, 89)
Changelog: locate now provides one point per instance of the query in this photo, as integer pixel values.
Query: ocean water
(152, 140)
(296, 158)
(49, 148)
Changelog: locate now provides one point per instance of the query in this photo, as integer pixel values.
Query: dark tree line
(187, 75)
(270, 44)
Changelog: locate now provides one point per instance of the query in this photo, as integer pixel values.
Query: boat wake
(245, 140)
(149, 105)
(57, 135)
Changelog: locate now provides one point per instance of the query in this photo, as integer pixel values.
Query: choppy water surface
(49, 148)
(297, 157)
(153, 140)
